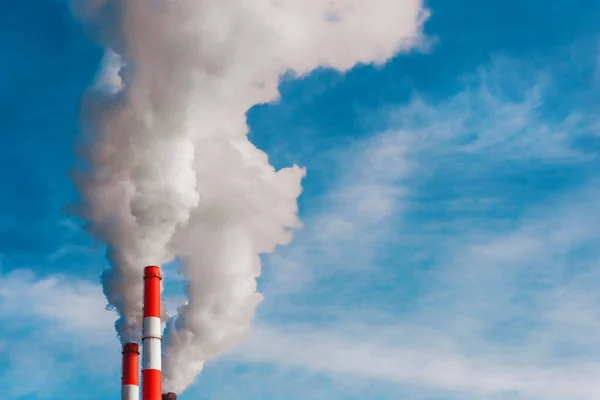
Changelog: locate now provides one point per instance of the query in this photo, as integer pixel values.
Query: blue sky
(450, 216)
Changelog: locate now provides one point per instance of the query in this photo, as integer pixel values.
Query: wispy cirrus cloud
(498, 296)
(438, 164)
(57, 334)
(352, 217)
(510, 314)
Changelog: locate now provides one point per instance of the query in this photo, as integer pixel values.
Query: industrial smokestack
(152, 336)
(169, 396)
(130, 386)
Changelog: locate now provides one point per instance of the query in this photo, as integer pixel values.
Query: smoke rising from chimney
(167, 167)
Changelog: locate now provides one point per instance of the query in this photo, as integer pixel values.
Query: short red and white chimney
(130, 376)
(151, 336)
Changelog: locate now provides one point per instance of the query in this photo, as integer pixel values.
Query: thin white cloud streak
(531, 279)
(229, 379)
(359, 212)
(502, 129)
(425, 368)
(55, 329)
(447, 345)
(75, 306)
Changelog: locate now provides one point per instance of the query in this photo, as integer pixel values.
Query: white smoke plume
(168, 165)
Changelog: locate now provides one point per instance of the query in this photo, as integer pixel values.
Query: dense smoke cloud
(168, 168)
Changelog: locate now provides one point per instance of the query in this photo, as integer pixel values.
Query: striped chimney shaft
(151, 336)
(130, 380)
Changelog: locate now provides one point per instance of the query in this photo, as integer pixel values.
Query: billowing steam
(167, 167)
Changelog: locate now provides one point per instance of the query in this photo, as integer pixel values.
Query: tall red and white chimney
(130, 376)
(151, 336)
